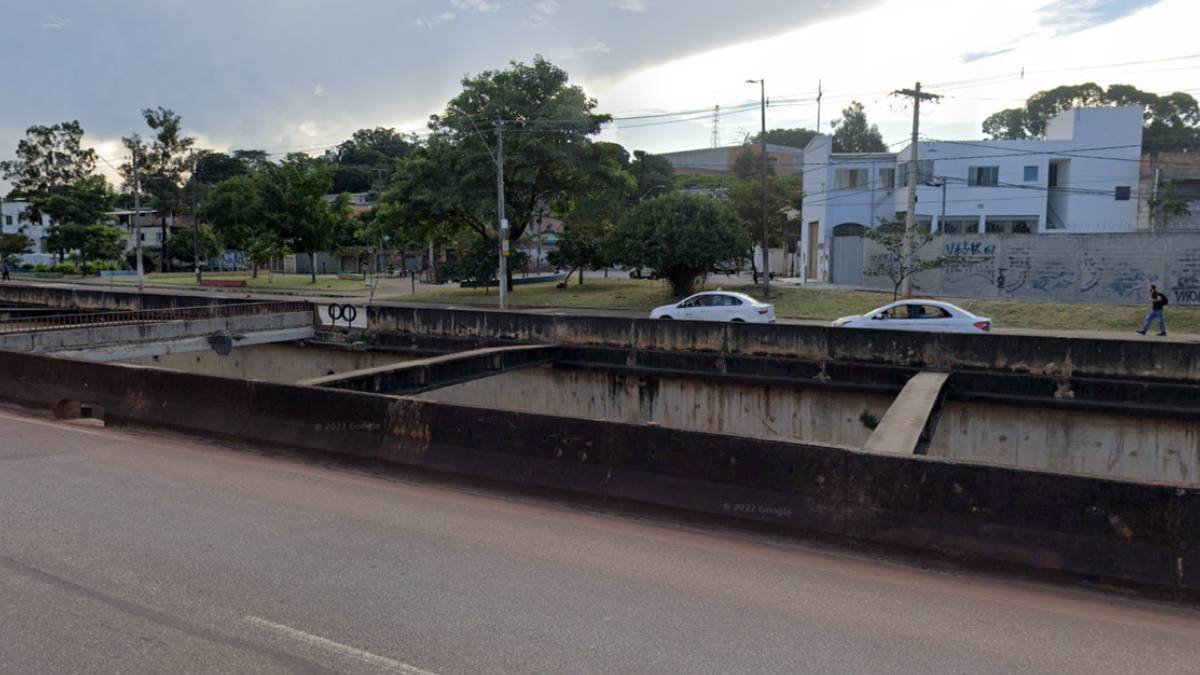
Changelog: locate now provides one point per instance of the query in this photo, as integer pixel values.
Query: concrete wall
(284, 363)
(825, 417)
(1135, 448)
(1102, 530)
(1102, 268)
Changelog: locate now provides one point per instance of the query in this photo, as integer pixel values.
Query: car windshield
(914, 311)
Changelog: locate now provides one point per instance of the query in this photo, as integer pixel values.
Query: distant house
(785, 160)
(1169, 179)
(1082, 177)
(15, 218)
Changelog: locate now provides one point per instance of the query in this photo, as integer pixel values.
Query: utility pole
(914, 167)
(818, 106)
(137, 228)
(195, 223)
(500, 210)
(766, 251)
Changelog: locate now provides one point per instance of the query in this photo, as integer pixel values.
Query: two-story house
(1082, 177)
(15, 218)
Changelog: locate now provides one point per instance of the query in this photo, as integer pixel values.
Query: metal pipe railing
(67, 321)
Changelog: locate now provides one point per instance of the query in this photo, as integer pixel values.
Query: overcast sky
(303, 74)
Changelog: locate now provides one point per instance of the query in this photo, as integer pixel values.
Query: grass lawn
(297, 282)
(819, 304)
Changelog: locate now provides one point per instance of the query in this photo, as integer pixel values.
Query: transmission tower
(716, 129)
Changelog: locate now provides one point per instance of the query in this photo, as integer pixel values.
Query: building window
(850, 179)
(924, 173)
(1031, 174)
(1122, 194)
(1010, 225)
(959, 225)
(887, 178)
(983, 176)
(8, 220)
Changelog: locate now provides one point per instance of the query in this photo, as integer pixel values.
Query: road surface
(125, 550)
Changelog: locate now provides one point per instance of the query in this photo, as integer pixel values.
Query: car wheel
(737, 321)
(664, 318)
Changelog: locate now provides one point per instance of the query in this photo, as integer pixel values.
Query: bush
(67, 267)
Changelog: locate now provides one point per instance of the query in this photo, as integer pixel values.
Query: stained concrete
(904, 424)
(1126, 447)
(285, 363)
(773, 412)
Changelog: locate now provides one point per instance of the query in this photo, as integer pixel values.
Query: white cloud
(536, 21)
(592, 46)
(447, 16)
(477, 5)
(630, 5)
(547, 7)
(319, 89)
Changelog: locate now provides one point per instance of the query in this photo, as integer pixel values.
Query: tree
(1168, 203)
(1171, 121)
(255, 160)
(892, 263)
(590, 212)
(353, 179)
(654, 173)
(162, 166)
(679, 236)
(93, 242)
(74, 209)
(234, 208)
(294, 206)
(49, 158)
(852, 133)
(748, 162)
(14, 244)
(213, 167)
(792, 138)
(451, 182)
(746, 197)
(204, 247)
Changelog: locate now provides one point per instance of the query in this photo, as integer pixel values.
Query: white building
(15, 219)
(1082, 177)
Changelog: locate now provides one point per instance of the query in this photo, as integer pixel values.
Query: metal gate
(847, 254)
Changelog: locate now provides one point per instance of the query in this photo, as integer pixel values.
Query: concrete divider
(1127, 533)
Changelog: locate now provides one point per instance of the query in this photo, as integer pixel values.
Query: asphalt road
(124, 550)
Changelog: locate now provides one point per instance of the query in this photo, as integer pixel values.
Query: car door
(895, 317)
(688, 308)
(705, 308)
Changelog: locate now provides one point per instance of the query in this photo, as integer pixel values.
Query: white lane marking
(61, 426)
(337, 647)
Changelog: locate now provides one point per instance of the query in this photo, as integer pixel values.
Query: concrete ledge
(1134, 534)
(904, 424)
(421, 375)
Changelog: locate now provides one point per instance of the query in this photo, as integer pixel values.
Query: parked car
(925, 315)
(718, 306)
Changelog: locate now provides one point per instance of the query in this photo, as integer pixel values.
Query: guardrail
(66, 321)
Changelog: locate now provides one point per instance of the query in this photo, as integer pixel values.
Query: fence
(67, 321)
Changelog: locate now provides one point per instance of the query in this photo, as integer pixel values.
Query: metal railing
(67, 321)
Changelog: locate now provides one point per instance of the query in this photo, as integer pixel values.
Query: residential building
(15, 218)
(1082, 177)
(1169, 192)
(147, 219)
(785, 160)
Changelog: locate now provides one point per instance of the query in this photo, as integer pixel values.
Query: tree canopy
(796, 137)
(1171, 121)
(852, 133)
(679, 236)
(49, 158)
(294, 205)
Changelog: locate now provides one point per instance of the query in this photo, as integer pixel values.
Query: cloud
(477, 5)
(54, 23)
(546, 7)
(1072, 16)
(593, 46)
(980, 55)
(630, 5)
(319, 89)
(536, 21)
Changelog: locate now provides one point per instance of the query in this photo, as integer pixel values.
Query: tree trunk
(580, 276)
(253, 270)
(312, 262)
(681, 284)
(162, 249)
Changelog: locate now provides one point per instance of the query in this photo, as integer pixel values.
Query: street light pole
(137, 228)
(500, 211)
(766, 251)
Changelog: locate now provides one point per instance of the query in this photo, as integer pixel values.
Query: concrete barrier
(1134, 534)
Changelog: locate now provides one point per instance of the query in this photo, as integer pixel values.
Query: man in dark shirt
(1157, 302)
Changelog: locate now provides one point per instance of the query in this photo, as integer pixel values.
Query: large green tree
(679, 236)
(746, 197)
(255, 160)
(295, 207)
(590, 212)
(852, 133)
(163, 166)
(451, 181)
(78, 213)
(48, 159)
(654, 173)
(212, 167)
(14, 244)
(1171, 121)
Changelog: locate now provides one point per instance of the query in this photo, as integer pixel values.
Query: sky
(288, 75)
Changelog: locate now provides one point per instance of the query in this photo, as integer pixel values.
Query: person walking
(1157, 302)
(4, 276)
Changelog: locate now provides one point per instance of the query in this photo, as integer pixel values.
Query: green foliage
(213, 167)
(234, 207)
(254, 160)
(748, 163)
(792, 138)
(189, 245)
(654, 173)
(48, 159)
(84, 202)
(93, 242)
(353, 179)
(746, 197)
(14, 244)
(449, 185)
(1168, 203)
(378, 147)
(295, 209)
(1172, 121)
(893, 263)
(680, 237)
(852, 133)
(162, 164)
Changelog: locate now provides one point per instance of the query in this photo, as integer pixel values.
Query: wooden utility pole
(503, 224)
(914, 168)
(137, 228)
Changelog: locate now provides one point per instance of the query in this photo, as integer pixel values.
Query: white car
(717, 306)
(924, 315)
